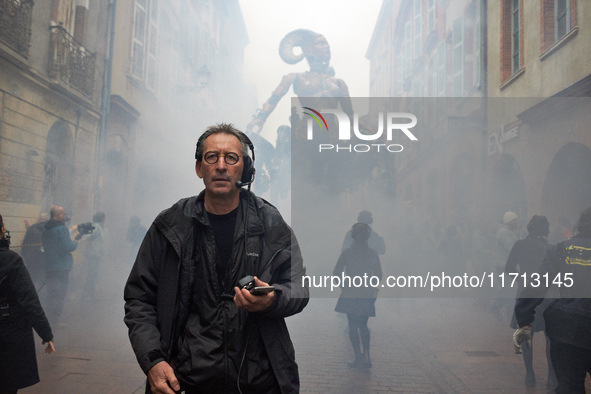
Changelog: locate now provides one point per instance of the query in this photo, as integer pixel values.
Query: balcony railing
(70, 62)
(15, 24)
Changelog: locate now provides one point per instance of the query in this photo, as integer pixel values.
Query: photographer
(58, 248)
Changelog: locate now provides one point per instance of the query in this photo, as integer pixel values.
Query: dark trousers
(57, 289)
(196, 390)
(571, 364)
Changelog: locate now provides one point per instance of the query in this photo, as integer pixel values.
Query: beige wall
(541, 78)
(30, 104)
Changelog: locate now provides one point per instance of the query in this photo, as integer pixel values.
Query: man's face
(61, 215)
(220, 178)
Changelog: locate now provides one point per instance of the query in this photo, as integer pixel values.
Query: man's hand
(50, 348)
(159, 378)
(520, 336)
(253, 303)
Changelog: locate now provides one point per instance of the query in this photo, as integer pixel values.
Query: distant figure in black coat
(32, 250)
(20, 311)
(528, 254)
(358, 302)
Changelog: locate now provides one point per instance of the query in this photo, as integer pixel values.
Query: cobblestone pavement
(417, 346)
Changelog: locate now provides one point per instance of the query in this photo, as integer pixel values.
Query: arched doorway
(59, 168)
(507, 192)
(567, 187)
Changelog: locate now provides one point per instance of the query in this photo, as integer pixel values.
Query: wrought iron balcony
(70, 62)
(15, 24)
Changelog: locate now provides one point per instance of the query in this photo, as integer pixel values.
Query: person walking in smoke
(20, 313)
(568, 318)
(506, 237)
(375, 241)
(528, 254)
(358, 302)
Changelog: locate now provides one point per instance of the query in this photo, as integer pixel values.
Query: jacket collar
(249, 202)
(177, 222)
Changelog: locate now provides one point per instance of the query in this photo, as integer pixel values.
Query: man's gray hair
(225, 128)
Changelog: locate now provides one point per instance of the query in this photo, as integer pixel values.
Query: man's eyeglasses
(230, 158)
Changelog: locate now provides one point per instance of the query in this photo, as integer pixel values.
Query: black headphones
(248, 170)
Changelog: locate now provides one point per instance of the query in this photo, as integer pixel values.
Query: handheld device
(262, 290)
(248, 283)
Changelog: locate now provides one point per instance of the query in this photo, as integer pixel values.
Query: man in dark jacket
(528, 254)
(189, 324)
(568, 318)
(58, 247)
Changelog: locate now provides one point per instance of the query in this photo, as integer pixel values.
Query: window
(458, 57)
(406, 49)
(417, 29)
(562, 18)
(144, 48)
(477, 64)
(558, 18)
(431, 14)
(138, 39)
(441, 77)
(511, 54)
(152, 62)
(514, 36)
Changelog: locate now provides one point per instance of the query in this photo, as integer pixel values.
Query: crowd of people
(34, 288)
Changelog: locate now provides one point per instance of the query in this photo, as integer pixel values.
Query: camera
(84, 229)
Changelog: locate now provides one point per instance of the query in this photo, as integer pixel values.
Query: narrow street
(417, 346)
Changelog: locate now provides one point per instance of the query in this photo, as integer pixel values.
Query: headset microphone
(239, 184)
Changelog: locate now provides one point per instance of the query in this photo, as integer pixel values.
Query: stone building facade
(539, 146)
(51, 74)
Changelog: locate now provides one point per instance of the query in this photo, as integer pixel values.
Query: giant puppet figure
(319, 81)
